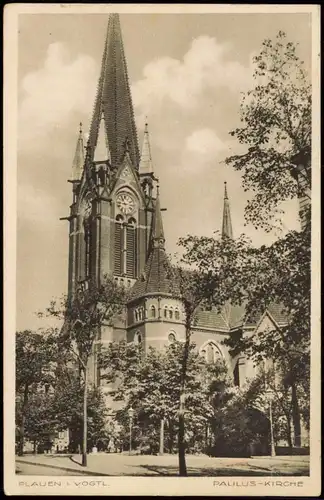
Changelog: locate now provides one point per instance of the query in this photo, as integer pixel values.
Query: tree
(276, 117)
(190, 290)
(275, 166)
(35, 356)
(67, 406)
(40, 423)
(151, 385)
(237, 425)
(84, 315)
(276, 379)
(235, 271)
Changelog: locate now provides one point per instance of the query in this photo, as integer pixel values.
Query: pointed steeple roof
(146, 165)
(102, 152)
(78, 160)
(158, 233)
(113, 100)
(227, 221)
(157, 276)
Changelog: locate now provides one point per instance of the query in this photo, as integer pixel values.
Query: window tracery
(211, 352)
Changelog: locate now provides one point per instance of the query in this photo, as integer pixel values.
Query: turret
(145, 171)
(78, 161)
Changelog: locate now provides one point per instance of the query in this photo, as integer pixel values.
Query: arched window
(136, 315)
(165, 311)
(211, 352)
(140, 313)
(153, 312)
(131, 248)
(138, 338)
(171, 337)
(170, 313)
(177, 314)
(119, 246)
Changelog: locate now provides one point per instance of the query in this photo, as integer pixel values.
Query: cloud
(37, 205)
(205, 142)
(53, 92)
(202, 150)
(205, 66)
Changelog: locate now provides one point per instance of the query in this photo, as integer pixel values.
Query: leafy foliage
(258, 279)
(84, 315)
(36, 357)
(151, 385)
(67, 406)
(276, 117)
(39, 422)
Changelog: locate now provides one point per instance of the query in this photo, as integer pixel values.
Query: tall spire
(146, 165)
(113, 100)
(158, 233)
(227, 222)
(77, 165)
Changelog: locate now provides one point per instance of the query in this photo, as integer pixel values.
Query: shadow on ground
(212, 472)
(78, 462)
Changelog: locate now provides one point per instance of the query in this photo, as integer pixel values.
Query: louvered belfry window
(131, 249)
(125, 247)
(118, 265)
(87, 236)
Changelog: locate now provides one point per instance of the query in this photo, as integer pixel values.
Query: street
(39, 470)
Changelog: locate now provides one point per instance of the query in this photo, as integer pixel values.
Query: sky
(187, 73)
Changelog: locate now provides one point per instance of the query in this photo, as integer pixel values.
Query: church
(116, 229)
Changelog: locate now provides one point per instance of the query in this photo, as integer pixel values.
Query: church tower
(155, 314)
(112, 208)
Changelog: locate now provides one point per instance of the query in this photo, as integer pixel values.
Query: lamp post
(130, 415)
(272, 443)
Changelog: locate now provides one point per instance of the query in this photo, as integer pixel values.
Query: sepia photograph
(164, 215)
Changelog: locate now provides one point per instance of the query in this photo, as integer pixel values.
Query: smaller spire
(225, 191)
(227, 221)
(78, 161)
(146, 165)
(158, 233)
(102, 152)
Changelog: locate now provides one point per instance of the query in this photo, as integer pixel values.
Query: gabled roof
(113, 100)
(233, 316)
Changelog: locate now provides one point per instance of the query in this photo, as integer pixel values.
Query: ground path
(104, 464)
